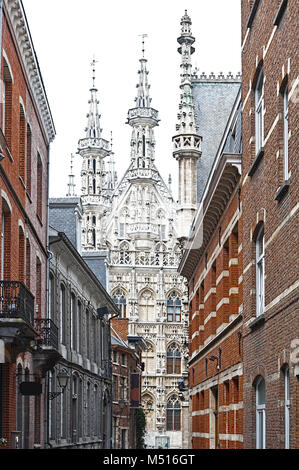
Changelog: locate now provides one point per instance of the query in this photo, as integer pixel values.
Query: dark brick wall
(26, 224)
(268, 347)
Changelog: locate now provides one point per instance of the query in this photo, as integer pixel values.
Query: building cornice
(221, 184)
(19, 24)
(62, 238)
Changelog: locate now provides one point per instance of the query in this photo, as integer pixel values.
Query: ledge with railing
(47, 332)
(16, 301)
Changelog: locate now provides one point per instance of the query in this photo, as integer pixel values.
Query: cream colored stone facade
(141, 227)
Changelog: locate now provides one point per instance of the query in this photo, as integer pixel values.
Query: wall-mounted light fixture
(63, 378)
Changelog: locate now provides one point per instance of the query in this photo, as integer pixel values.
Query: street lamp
(121, 404)
(215, 358)
(182, 388)
(218, 359)
(63, 378)
(216, 412)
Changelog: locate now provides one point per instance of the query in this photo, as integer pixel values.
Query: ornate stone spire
(93, 129)
(186, 116)
(112, 175)
(93, 148)
(71, 184)
(143, 118)
(187, 143)
(93, 136)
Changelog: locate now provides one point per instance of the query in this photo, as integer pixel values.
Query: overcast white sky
(68, 33)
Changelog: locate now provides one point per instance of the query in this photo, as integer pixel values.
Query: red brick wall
(121, 326)
(217, 287)
(269, 346)
(24, 228)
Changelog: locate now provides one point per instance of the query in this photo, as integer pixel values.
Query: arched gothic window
(173, 414)
(174, 307)
(173, 359)
(149, 357)
(146, 306)
(119, 298)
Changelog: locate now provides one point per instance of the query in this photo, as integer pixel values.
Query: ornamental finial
(143, 36)
(93, 65)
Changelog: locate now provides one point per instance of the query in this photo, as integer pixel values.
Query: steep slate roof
(213, 99)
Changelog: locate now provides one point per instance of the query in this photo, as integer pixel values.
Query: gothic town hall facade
(136, 229)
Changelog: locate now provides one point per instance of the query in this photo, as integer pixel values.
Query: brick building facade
(270, 194)
(212, 263)
(126, 384)
(26, 132)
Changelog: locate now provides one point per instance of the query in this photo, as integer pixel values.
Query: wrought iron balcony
(46, 353)
(47, 332)
(16, 301)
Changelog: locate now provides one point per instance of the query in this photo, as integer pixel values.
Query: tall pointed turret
(71, 183)
(93, 129)
(95, 176)
(112, 174)
(93, 148)
(143, 118)
(187, 143)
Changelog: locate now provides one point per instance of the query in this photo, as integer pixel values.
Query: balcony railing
(47, 332)
(16, 301)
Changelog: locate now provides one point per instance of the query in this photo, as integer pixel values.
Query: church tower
(131, 225)
(96, 180)
(187, 142)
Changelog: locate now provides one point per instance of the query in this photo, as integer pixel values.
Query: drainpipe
(47, 382)
(1, 398)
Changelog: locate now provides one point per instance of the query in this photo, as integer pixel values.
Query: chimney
(121, 326)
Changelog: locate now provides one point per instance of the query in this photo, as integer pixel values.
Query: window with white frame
(287, 404)
(6, 99)
(2, 245)
(62, 316)
(122, 388)
(259, 112)
(173, 422)
(119, 298)
(261, 414)
(3, 105)
(173, 359)
(121, 229)
(260, 272)
(174, 306)
(285, 134)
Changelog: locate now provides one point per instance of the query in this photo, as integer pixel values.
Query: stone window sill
(256, 161)
(252, 13)
(282, 191)
(257, 321)
(29, 197)
(39, 219)
(280, 12)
